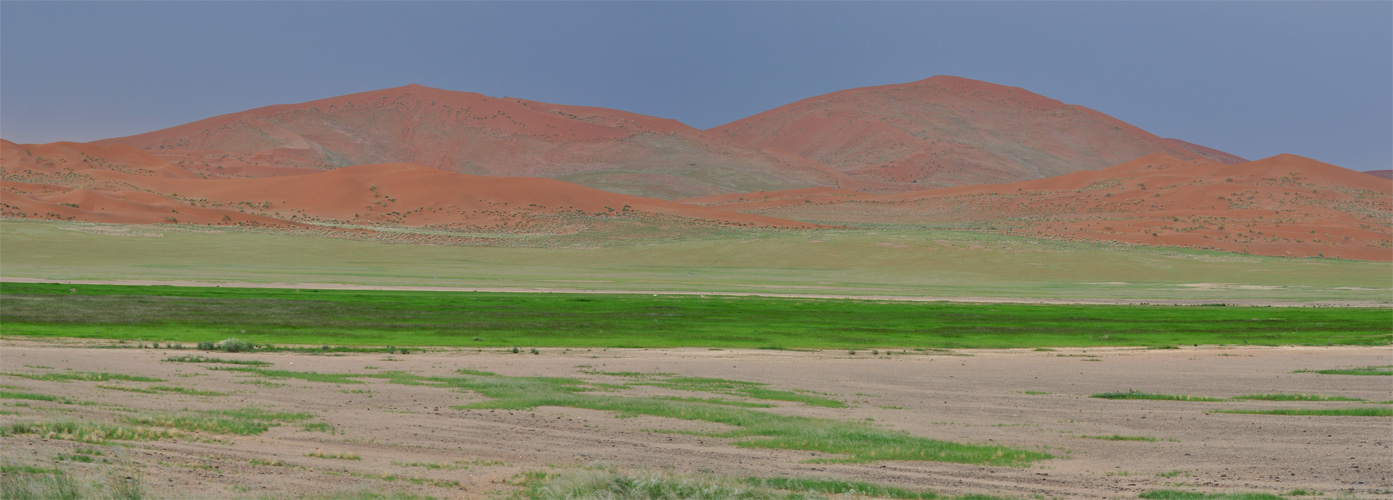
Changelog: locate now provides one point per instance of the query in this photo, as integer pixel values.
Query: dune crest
(950, 131)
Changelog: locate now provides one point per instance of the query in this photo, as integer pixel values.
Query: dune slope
(1285, 205)
(950, 131)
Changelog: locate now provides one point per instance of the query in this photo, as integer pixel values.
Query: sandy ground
(896, 298)
(975, 396)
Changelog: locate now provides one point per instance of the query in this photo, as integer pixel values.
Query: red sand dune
(1285, 205)
(1386, 174)
(120, 184)
(477, 134)
(948, 131)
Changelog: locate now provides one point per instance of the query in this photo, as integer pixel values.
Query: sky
(1254, 79)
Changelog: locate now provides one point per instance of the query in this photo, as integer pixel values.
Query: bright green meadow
(479, 319)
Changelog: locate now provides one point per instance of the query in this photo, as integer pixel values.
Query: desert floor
(1034, 400)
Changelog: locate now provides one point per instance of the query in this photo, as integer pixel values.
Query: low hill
(1285, 205)
(480, 135)
(120, 184)
(950, 131)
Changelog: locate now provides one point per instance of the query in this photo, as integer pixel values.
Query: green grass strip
(838, 487)
(400, 318)
(1365, 411)
(1147, 395)
(1295, 397)
(35, 397)
(1186, 495)
(1386, 370)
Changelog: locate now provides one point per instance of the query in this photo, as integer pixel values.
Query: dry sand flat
(964, 396)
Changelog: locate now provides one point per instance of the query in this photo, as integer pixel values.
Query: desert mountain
(949, 131)
(476, 134)
(120, 184)
(1285, 205)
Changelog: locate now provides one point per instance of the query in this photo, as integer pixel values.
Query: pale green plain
(888, 262)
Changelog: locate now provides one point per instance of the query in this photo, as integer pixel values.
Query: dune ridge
(950, 131)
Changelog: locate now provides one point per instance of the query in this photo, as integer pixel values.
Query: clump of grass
(1365, 411)
(609, 482)
(185, 390)
(242, 422)
(318, 427)
(35, 397)
(1035, 393)
(22, 482)
(1295, 397)
(839, 487)
(162, 389)
(1189, 495)
(201, 359)
(1385, 370)
(88, 432)
(230, 345)
(334, 456)
(83, 376)
(1116, 437)
(1131, 394)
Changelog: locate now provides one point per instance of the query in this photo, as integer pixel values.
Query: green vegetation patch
(1364, 411)
(163, 389)
(838, 487)
(83, 376)
(753, 390)
(1295, 397)
(610, 482)
(35, 397)
(88, 432)
(855, 442)
(401, 318)
(242, 422)
(1187, 495)
(1385, 370)
(1147, 395)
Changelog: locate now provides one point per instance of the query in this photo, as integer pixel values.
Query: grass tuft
(334, 456)
(1295, 397)
(1188, 495)
(1385, 370)
(1365, 411)
(1130, 394)
(35, 397)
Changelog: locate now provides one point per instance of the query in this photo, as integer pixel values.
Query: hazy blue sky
(1252, 78)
